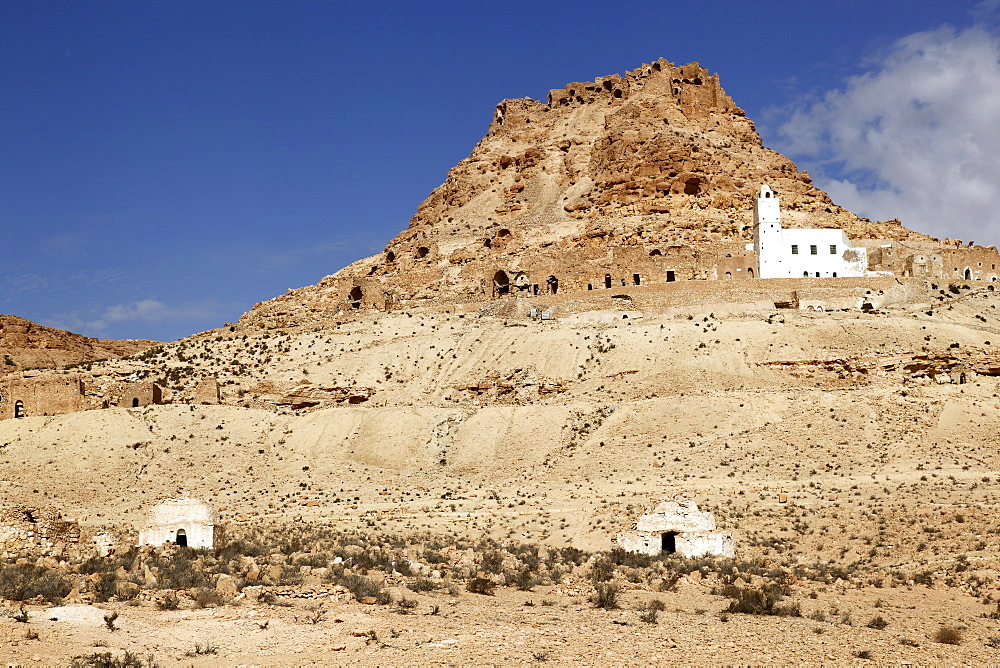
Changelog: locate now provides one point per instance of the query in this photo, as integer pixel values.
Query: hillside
(643, 173)
(28, 345)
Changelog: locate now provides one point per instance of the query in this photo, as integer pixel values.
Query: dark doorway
(968, 274)
(354, 297)
(750, 272)
(607, 280)
(182, 539)
(501, 284)
(668, 542)
(18, 409)
(671, 277)
(553, 284)
(135, 402)
(636, 279)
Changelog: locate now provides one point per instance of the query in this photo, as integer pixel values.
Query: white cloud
(143, 311)
(915, 138)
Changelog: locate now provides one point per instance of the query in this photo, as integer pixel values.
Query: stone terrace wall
(26, 531)
(696, 295)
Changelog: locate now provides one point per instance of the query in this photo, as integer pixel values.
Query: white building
(677, 527)
(185, 521)
(818, 253)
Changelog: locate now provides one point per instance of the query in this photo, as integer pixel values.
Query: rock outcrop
(28, 345)
(644, 176)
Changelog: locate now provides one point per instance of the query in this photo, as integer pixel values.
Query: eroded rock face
(646, 176)
(28, 345)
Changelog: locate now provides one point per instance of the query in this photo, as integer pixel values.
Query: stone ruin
(183, 522)
(677, 527)
(25, 530)
(141, 394)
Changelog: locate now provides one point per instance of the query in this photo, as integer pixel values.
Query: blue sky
(165, 165)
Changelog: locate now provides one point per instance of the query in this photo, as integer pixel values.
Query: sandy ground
(560, 434)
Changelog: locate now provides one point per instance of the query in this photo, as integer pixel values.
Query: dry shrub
(761, 600)
(483, 586)
(19, 582)
(207, 598)
(605, 595)
(422, 584)
(361, 587)
(948, 635)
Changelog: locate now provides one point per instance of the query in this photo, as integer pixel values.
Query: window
(813, 250)
(833, 249)
(795, 249)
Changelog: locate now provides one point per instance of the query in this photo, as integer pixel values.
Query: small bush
(207, 598)
(169, 602)
(948, 635)
(605, 595)
(199, 649)
(108, 660)
(19, 582)
(491, 562)
(422, 584)
(105, 587)
(760, 600)
(483, 586)
(649, 616)
(602, 570)
(361, 587)
(524, 580)
(877, 623)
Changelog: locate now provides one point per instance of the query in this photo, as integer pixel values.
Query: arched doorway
(553, 284)
(750, 272)
(182, 539)
(501, 284)
(968, 274)
(607, 280)
(729, 275)
(19, 409)
(354, 297)
(135, 402)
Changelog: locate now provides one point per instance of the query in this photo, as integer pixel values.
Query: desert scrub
(761, 600)
(362, 588)
(948, 635)
(605, 595)
(19, 582)
(479, 585)
(109, 660)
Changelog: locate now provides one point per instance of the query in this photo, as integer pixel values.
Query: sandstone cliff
(28, 345)
(591, 182)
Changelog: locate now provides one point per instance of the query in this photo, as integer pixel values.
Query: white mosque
(819, 253)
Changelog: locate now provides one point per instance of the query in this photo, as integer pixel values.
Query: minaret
(767, 233)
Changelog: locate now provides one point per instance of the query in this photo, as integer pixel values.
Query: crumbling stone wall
(39, 396)
(25, 531)
(207, 391)
(141, 394)
(948, 260)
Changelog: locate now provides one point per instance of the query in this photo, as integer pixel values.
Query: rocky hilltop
(598, 179)
(28, 345)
